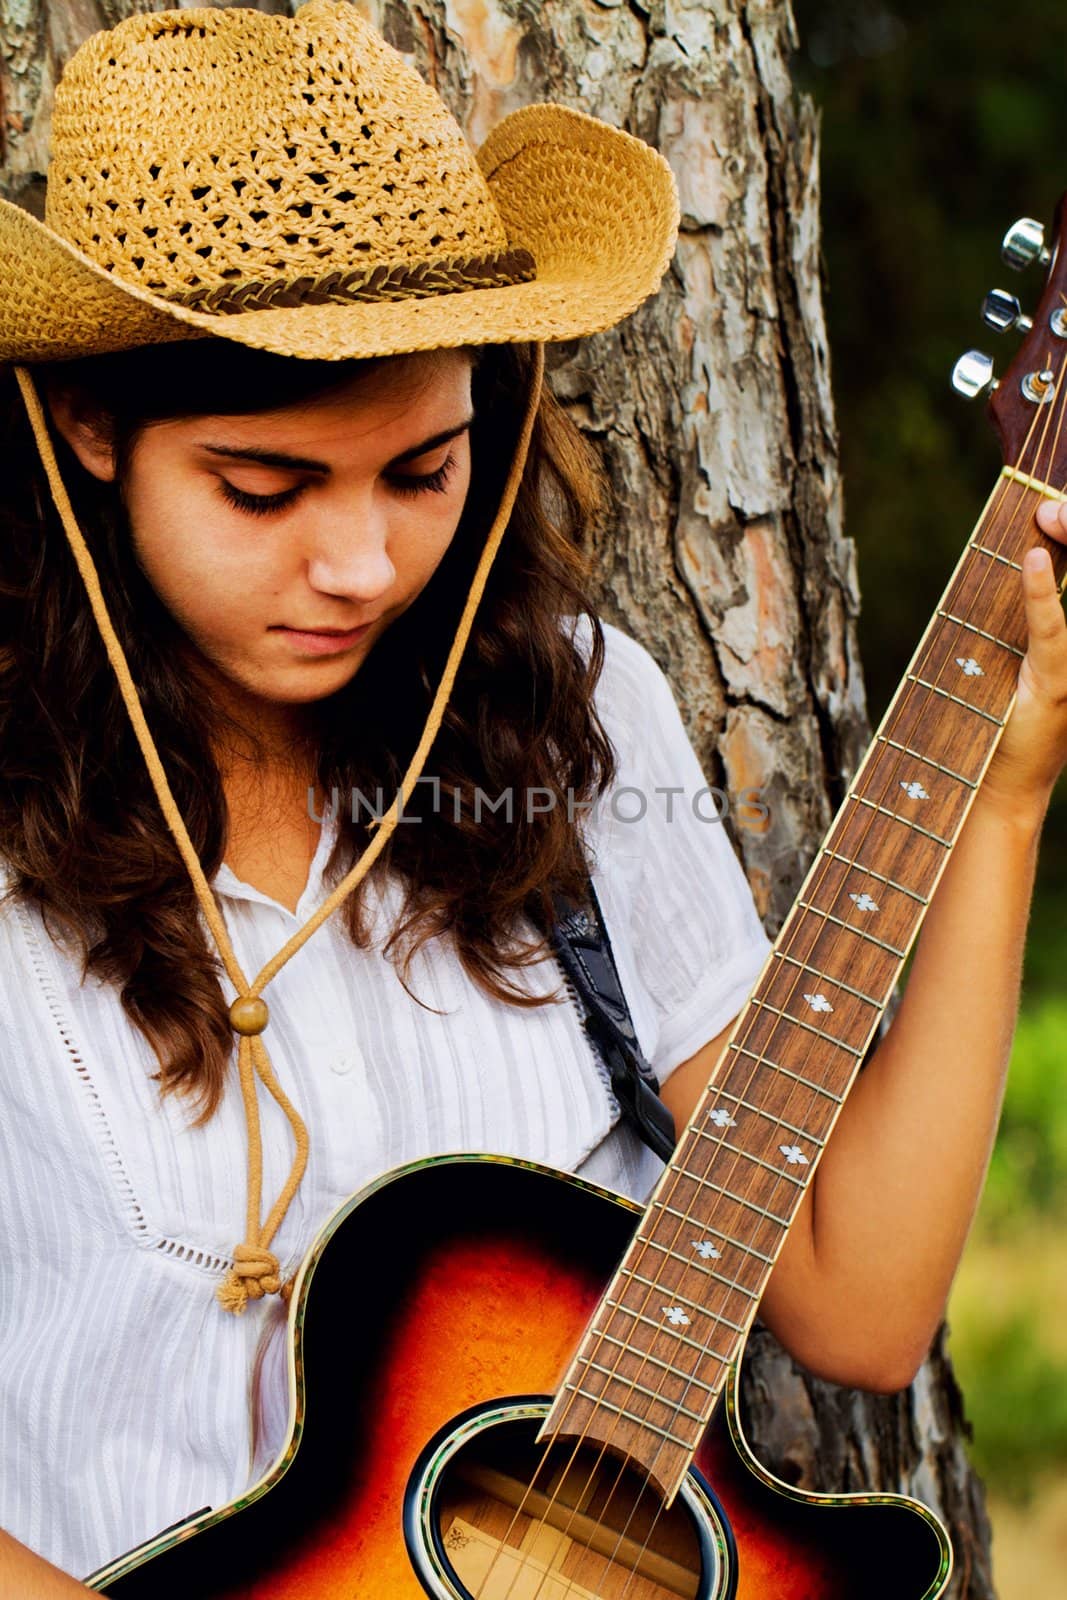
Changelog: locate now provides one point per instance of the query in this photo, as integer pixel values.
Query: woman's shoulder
(631, 677)
(637, 707)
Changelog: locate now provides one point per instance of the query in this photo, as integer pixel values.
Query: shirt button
(346, 1063)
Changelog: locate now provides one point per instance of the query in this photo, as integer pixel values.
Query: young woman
(291, 478)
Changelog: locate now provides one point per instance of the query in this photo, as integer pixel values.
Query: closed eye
(403, 483)
(258, 505)
(421, 482)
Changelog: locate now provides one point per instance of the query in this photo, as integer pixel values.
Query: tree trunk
(727, 557)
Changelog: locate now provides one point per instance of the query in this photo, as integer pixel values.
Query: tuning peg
(1003, 312)
(1040, 387)
(973, 375)
(1024, 243)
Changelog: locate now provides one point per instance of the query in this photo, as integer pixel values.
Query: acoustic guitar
(473, 1414)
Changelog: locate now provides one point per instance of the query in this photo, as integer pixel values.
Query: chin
(312, 686)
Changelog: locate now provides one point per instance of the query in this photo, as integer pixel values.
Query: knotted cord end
(255, 1272)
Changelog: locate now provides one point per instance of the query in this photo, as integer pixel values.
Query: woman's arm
(30, 1577)
(863, 1277)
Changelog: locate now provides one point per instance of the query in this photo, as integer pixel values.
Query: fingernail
(1048, 515)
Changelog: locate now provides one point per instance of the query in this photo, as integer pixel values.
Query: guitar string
(1021, 502)
(687, 1378)
(992, 513)
(683, 1376)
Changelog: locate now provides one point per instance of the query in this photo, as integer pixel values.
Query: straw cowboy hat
(291, 183)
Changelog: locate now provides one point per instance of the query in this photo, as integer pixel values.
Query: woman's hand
(1033, 747)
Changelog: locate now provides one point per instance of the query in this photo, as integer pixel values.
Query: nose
(348, 554)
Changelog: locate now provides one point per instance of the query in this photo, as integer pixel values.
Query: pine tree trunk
(727, 557)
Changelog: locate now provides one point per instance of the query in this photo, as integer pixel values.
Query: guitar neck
(675, 1316)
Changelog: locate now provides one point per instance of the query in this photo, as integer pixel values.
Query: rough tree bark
(727, 558)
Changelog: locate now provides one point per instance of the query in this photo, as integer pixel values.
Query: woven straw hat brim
(596, 207)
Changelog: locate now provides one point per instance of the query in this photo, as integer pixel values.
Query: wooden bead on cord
(249, 1014)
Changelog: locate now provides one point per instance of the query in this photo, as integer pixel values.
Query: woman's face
(258, 532)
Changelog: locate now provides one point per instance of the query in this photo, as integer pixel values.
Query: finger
(1044, 614)
(1051, 518)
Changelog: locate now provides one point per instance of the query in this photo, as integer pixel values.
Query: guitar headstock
(1028, 405)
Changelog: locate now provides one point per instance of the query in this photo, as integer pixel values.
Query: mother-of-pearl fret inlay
(704, 1270)
(746, 1155)
(972, 628)
(945, 694)
(777, 1120)
(694, 1305)
(641, 1320)
(743, 1163)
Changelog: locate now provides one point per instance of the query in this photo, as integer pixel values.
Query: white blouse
(128, 1397)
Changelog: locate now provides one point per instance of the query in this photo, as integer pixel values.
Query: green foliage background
(941, 125)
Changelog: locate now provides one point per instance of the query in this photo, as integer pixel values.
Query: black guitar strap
(582, 947)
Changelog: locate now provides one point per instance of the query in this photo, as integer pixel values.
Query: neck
(674, 1319)
(256, 740)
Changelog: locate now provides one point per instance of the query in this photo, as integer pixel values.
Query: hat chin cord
(256, 1270)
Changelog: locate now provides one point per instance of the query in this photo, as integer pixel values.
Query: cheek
(204, 571)
(424, 529)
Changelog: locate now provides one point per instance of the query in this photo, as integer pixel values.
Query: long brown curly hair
(80, 826)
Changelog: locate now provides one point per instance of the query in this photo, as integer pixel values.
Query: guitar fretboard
(674, 1318)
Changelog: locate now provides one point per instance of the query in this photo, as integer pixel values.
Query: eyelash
(261, 505)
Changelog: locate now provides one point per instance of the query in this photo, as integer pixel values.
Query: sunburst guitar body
(430, 1328)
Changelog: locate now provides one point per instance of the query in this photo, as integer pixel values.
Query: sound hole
(512, 1524)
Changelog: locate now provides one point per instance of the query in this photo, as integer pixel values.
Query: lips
(322, 641)
(331, 633)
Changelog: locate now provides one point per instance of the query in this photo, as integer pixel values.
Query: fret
(890, 883)
(666, 1329)
(635, 1350)
(983, 549)
(724, 1144)
(735, 1244)
(787, 1073)
(728, 1194)
(798, 1022)
(929, 760)
(884, 811)
(850, 927)
(641, 1422)
(670, 1293)
(966, 704)
(698, 1264)
(770, 1116)
(640, 1388)
(973, 627)
(838, 983)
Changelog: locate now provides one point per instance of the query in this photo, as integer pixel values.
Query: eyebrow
(281, 458)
